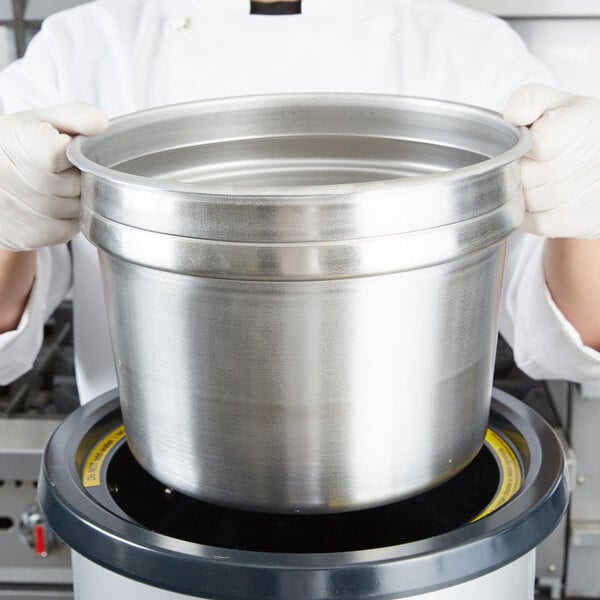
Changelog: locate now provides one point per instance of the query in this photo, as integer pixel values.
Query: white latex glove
(561, 172)
(39, 189)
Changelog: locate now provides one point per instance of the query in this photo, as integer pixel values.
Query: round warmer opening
(437, 511)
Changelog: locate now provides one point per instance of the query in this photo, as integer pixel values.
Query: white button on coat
(180, 22)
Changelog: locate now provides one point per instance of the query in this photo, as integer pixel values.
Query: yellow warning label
(93, 464)
(510, 473)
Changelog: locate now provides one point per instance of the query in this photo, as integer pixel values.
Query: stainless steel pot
(303, 290)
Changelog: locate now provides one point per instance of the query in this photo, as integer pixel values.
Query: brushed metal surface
(303, 290)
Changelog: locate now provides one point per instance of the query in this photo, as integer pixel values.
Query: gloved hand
(561, 172)
(39, 189)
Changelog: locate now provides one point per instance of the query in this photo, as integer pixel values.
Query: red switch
(35, 532)
(41, 545)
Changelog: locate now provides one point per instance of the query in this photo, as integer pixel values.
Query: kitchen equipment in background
(303, 290)
(472, 537)
(34, 563)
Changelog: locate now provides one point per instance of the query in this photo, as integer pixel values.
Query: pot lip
(81, 145)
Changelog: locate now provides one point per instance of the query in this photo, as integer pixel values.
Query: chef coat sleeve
(18, 348)
(545, 344)
(29, 83)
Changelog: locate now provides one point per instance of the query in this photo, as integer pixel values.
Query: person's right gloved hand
(39, 188)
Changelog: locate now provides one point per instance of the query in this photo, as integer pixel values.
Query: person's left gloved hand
(561, 172)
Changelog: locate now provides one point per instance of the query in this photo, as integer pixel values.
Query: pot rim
(78, 150)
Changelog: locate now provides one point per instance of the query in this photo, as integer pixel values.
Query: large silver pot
(303, 290)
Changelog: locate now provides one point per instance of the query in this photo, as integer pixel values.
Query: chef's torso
(127, 55)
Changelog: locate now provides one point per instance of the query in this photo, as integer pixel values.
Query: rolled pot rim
(80, 146)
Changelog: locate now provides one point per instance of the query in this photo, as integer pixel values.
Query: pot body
(315, 395)
(303, 291)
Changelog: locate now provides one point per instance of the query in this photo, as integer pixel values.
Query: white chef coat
(126, 55)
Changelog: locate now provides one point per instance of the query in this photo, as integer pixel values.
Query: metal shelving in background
(21, 19)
